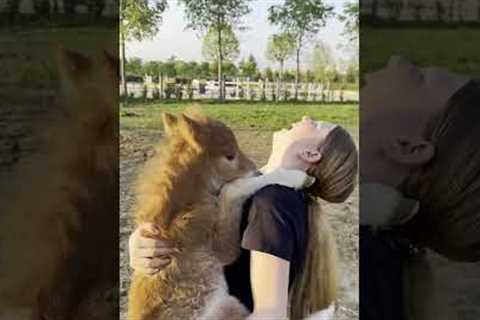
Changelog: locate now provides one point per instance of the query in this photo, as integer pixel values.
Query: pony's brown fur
(177, 192)
(58, 243)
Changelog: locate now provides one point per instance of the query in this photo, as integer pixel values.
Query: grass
(242, 116)
(453, 48)
(85, 39)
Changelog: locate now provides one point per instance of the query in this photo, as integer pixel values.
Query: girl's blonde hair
(315, 287)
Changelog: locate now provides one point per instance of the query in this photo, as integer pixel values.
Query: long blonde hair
(315, 287)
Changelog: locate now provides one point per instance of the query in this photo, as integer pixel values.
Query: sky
(174, 39)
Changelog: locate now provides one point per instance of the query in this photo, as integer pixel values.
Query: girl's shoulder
(280, 201)
(277, 194)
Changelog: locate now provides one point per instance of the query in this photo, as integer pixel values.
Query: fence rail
(241, 90)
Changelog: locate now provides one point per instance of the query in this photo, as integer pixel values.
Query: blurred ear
(195, 113)
(112, 64)
(311, 156)
(193, 131)
(170, 123)
(72, 65)
(407, 150)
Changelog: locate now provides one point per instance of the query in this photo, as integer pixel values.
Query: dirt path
(136, 146)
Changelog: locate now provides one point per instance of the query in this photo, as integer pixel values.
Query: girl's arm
(269, 278)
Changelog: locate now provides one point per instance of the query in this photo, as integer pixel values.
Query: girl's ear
(170, 123)
(407, 150)
(310, 156)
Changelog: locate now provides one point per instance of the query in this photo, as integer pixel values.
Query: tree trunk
(220, 63)
(297, 74)
(280, 80)
(161, 85)
(122, 65)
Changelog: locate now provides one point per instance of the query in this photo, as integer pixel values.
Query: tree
(139, 20)
(322, 60)
(279, 48)
(248, 67)
(220, 15)
(269, 74)
(168, 68)
(204, 70)
(230, 49)
(134, 66)
(351, 19)
(303, 20)
(152, 68)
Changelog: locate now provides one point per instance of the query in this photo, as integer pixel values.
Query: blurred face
(300, 146)
(397, 103)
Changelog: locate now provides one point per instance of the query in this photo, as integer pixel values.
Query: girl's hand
(148, 255)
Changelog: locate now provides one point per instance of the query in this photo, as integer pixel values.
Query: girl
(287, 264)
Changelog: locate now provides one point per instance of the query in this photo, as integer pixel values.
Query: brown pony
(58, 224)
(178, 192)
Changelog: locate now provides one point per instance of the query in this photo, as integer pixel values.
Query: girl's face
(299, 146)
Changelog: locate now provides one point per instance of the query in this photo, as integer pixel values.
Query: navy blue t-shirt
(274, 221)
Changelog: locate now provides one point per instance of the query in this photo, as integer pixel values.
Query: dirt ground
(136, 146)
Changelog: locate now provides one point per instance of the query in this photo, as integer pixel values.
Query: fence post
(161, 85)
(237, 88)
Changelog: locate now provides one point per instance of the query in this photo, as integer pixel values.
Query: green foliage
(204, 14)
(153, 68)
(134, 67)
(269, 74)
(230, 44)
(300, 18)
(140, 19)
(168, 68)
(229, 69)
(280, 47)
(322, 60)
(248, 67)
(351, 20)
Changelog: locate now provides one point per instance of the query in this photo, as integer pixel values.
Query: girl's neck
(283, 163)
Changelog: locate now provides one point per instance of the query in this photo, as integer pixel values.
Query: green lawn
(456, 49)
(250, 116)
(85, 39)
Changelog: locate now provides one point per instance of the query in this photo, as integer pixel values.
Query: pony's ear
(170, 123)
(112, 63)
(72, 70)
(193, 132)
(72, 64)
(195, 113)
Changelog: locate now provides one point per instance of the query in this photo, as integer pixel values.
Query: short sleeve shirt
(275, 221)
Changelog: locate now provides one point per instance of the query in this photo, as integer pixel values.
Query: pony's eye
(230, 157)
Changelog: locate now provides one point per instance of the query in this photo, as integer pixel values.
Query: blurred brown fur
(59, 237)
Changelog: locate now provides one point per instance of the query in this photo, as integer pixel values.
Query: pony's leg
(222, 306)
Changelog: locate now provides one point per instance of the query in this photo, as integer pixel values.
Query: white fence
(241, 90)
